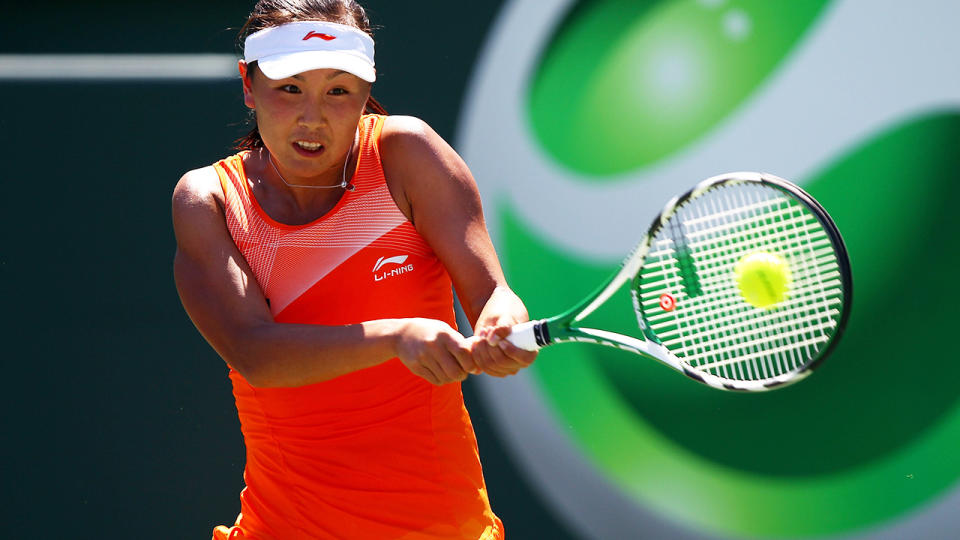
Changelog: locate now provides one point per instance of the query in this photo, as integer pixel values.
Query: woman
(318, 263)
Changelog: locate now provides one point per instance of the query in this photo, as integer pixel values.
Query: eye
(290, 89)
(339, 91)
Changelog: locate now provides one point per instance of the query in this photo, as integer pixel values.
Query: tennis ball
(763, 279)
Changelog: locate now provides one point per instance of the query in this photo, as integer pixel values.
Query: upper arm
(215, 283)
(437, 191)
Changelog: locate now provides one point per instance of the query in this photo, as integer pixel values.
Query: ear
(247, 87)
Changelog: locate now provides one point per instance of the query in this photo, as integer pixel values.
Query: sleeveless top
(378, 453)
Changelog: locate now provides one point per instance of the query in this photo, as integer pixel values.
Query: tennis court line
(142, 67)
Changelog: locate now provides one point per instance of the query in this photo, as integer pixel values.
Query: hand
(433, 350)
(495, 355)
(491, 350)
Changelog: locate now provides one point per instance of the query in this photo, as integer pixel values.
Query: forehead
(320, 75)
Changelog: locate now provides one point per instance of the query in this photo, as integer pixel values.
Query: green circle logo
(584, 118)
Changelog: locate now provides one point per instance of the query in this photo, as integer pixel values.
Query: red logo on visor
(325, 37)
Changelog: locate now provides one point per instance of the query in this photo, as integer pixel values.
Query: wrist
(386, 334)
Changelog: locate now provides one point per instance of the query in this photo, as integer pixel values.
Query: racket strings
(757, 335)
(782, 357)
(727, 334)
(690, 334)
(717, 331)
(773, 336)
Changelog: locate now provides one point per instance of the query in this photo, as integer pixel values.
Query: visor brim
(281, 66)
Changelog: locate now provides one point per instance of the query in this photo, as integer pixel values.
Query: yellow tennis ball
(763, 279)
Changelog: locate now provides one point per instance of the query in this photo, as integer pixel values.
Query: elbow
(243, 356)
(254, 373)
(255, 370)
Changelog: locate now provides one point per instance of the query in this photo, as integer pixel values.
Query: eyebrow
(337, 73)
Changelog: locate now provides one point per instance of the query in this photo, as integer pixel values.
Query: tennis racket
(691, 311)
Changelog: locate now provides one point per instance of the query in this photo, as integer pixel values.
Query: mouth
(308, 147)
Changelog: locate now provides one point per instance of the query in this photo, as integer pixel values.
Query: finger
(518, 356)
(491, 358)
(499, 333)
(502, 331)
(502, 361)
(481, 356)
(493, 337)
(424, 372)
(445, 356)
(461, 351)
(443, 362)
(450, 367)
(471, 347)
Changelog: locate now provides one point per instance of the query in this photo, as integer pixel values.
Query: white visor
(292, 48)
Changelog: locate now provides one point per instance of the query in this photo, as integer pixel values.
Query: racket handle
(524, 335)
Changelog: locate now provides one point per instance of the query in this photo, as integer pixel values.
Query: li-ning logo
(401, 268)
(325, 37)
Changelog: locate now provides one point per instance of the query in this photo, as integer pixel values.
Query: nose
(313, 113)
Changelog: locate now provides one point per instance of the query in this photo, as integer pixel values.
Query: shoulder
(199, 220)
(197, 191)
(402, 135)
(400, 126)
(410, 147)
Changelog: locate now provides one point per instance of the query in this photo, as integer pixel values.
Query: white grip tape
(522, 336)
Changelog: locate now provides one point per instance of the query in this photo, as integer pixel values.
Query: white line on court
(90, 67)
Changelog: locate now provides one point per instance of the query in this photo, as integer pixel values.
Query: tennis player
(318, 262)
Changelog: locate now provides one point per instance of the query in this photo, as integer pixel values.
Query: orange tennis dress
(376, 454)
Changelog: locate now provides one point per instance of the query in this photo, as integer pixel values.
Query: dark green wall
(118, 418)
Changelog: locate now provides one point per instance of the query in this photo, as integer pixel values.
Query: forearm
(272, 354)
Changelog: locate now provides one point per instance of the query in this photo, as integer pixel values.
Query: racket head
(686, 296)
